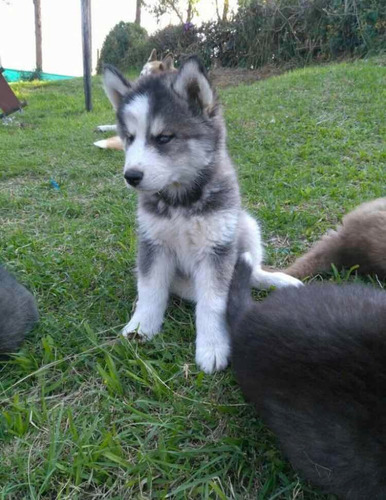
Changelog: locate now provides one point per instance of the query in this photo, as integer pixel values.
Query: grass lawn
(86, 415)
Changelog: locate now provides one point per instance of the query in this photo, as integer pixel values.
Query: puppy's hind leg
(250, 241)
(239, 295)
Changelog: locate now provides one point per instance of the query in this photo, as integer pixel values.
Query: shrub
(217, 41)
(178, 40)
(262, 31)
(283, 30)
(136, 56)
(124, 46)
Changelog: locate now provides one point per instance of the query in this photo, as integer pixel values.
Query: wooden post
(38, 35)
(86, 42)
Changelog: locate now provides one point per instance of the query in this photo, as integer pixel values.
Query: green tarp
(15, 75)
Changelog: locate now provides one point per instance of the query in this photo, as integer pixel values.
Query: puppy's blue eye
(130, 139)
(164, 139)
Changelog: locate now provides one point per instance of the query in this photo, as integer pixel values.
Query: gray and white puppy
(190, 224)
(18, 312)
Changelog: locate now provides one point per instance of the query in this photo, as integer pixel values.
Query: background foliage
(126, 42)
(273, 31)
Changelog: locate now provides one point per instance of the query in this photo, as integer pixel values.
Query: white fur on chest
(189, 238)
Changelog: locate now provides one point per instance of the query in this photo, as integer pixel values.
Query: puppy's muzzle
(133, 177)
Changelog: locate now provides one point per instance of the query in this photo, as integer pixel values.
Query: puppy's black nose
(133, 176)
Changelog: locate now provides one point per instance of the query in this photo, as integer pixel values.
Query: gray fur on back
(312, 360)
(18, 312)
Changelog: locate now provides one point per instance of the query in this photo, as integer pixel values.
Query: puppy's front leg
(212, 280)
(155, 272)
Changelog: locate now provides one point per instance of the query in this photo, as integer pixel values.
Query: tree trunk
(138, 12)
(217, 11)
(38, 35)
(225, 11)
(189, 13)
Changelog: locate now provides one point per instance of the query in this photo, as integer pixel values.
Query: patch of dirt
(226, 77)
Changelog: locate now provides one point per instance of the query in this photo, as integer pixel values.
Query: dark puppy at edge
(18, 313)
(312, 360)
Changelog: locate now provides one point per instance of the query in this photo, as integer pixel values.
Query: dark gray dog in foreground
(312, 360)
(18, 312)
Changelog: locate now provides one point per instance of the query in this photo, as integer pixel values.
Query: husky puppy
(312, 361)
(152, 67)
(18, 312)
(190, 224)
(360, 240)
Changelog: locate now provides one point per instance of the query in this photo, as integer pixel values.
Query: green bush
(124, 47)
(136, 56)
(262, 31)
(175, 39)
(217, 42)
(285, 30)
(279, 31)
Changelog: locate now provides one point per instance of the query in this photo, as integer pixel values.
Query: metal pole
(86, 42)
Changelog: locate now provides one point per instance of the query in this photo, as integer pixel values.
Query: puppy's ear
(115, 84)
(153, 56)
(192, 84)
(168, 62)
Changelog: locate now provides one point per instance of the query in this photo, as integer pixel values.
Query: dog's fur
(313, 362)
(152, 67)
(191, 226)
(18, 313)
(360, 240)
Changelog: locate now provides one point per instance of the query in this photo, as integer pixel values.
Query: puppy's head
(154, 67)
(170, 125)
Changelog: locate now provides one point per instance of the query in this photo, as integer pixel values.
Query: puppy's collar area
(177, 194)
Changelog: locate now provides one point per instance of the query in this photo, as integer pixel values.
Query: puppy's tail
(239, 296)
(327, 251)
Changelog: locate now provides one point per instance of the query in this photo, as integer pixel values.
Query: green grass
(86, 415)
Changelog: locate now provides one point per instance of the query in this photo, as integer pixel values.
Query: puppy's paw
(264, 279)
(212, 357)
(281, 280)
(103, 144)
(99, 128)
(144, 328)
(105, 128)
